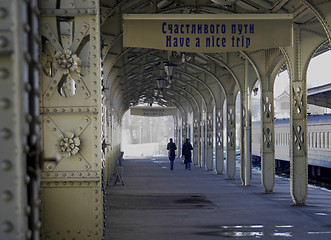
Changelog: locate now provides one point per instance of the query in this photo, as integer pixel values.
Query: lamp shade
(169, 68)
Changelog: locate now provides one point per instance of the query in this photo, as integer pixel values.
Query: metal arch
(177, 93)
(179, 96)
(297, 59)
(117, 98)
(107, 48)
(193, 65)
(221, 64)
(203, 102)
(148, 52)
(312, 53)
(185, 73)
(228, 68)
(227, 10)
(180, 107)
(202, 96)
(277, 67)
(309, 56)
(192, 97)
(169, 102)
(204, 70)
(190, 64)
(255, 66)
(151, 52)
(323, 22)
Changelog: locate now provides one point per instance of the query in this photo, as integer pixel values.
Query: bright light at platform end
(146, 136)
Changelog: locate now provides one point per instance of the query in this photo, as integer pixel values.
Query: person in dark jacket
(186, 152)
(171, 147)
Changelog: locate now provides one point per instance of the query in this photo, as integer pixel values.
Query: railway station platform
(156, 203)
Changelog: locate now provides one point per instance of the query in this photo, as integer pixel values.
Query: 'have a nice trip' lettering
(208, 35)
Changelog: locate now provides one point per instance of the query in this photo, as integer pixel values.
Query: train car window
(282, 138)
(323, 140)
(316, 139)
(328, 140)
(308, 140)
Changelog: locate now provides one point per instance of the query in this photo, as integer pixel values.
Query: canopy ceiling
(131, 74)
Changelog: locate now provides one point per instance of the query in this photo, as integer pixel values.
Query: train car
(318, 141)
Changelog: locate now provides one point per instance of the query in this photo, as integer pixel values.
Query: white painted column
(246, 158)
(231, 138)
(202, 142)
(196, 138)
(298, 126)
(209, 145)
(219, 142)
(267, 140)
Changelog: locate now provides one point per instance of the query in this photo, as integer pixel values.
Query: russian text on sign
(207, 33)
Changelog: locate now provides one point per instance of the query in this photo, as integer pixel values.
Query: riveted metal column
(107, 137)
(177, 139)
(246, 134)
(219, 142)
(298, 126)
(35, 158)
(231, 135)
(196, 142)
(202, 142)
(209, 159)
(184, 131)
(19, 125)
(105, 143)
(71, 108)
(267, 139)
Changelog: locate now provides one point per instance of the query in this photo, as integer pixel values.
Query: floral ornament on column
(66, 61)
(68, 145)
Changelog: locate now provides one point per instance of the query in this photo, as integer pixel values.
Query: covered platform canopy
(320, 96)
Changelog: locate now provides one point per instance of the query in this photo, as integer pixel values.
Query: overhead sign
(153, 111)
(207, 32)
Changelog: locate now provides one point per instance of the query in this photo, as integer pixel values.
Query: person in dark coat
(171, 147)
(186, 152)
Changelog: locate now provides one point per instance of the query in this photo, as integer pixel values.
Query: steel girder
(20, 141)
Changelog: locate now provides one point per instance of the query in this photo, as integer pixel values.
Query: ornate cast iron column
(267, 138)
(231, 137)
(298, 120)
(195, 141)
(219, 141)
(71, 108)
(209, 146)
(202, 141)
(246, 133)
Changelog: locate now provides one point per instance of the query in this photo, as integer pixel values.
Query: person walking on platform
(171, 147)
(186, 152)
